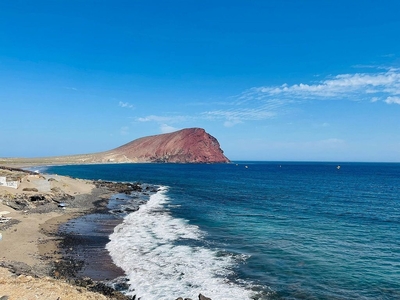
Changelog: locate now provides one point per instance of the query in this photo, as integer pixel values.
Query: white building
(11, 184)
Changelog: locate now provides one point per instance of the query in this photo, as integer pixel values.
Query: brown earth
(192, 145)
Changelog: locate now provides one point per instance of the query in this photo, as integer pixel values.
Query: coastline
(31, 250)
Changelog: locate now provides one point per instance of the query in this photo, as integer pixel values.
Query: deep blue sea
(259, 230)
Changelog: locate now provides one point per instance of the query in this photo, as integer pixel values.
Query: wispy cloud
(237, 115)
(391, 100)
(266, 102)
(161, 119)
(359, 86)
(246, 108)
(167, 128)
(125, 104)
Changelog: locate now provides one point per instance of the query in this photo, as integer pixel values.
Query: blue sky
(271, 80)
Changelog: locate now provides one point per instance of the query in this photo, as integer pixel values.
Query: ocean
(258, 230)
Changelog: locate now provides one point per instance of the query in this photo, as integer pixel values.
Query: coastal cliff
(191, 145)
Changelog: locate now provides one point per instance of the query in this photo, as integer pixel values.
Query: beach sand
(29, 244)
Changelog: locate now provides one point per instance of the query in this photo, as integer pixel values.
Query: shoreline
(31, 246)
(50, 261)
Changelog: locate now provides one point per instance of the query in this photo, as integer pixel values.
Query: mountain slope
(191, 145)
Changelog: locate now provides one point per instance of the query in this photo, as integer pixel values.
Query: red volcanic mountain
(191, 145)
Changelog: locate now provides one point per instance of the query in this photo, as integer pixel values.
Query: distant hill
(190, 145)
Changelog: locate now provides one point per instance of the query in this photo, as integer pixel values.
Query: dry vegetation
(24, 287)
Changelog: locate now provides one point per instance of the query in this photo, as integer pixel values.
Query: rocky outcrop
(191, 145)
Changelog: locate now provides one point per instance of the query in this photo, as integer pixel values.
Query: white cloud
(167, 129)
(152, 118)
(358, 86)
(391, 100)
(267, 102)
(231, 123)
(162, 120)
(125, 104)
(240, 112)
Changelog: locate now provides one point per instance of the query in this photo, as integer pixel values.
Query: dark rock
(30, 190)
(84, 282)
(131, 209)
(119, 284)
(14, 205)
(119, 187)
(37, 198)
(102, 288)
(201, 297)
(18, 268)
(10, 223)
(67, 268)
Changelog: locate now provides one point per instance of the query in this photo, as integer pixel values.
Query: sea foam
(164, 258)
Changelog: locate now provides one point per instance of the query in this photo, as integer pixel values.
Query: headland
(190, 145)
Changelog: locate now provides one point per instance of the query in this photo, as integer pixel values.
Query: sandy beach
(29, 245)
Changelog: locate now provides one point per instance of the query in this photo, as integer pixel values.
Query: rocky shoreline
(42, 195)
(63, 206)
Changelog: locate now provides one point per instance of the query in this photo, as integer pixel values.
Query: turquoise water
(260, 230)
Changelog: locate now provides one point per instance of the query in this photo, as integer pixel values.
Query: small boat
(338, 167)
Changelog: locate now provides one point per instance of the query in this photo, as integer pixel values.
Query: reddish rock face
(192, 145)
